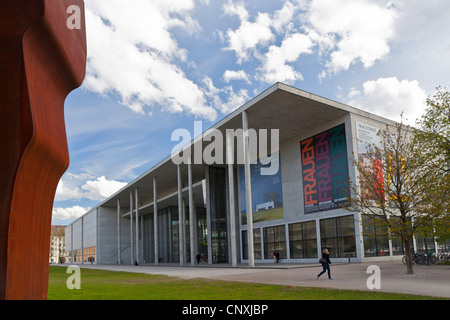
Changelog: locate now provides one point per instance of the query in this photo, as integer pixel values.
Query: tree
(433, 135)
(390, 187)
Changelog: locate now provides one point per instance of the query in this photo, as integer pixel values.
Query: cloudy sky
(155, 66)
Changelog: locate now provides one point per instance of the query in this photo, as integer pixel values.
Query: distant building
(57, 244)
(265, 206)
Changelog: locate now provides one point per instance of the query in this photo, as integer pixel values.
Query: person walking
(325, 264)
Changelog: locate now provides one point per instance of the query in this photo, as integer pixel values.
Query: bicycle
(421, 259)
(428, 259)
(443, 256)
(414, 258)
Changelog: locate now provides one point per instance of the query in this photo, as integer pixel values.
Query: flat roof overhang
(282, 107)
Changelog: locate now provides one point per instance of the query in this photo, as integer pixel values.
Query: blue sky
(156, 66)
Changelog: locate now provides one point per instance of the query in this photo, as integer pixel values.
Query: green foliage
(403, 184)
(433, 135)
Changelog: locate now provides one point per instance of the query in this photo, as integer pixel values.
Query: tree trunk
(408, 254)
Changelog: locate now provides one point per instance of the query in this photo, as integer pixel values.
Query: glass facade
(376, 237)
(84, 236)
(218, 205)
(275, 240)
(425, 245)
(168, 235)
(90, 254)
(444, 246)
(338, 235)
(303, 240)
(256, 244)
(202, 233)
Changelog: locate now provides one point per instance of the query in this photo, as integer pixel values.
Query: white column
(155, 221)
(319, 240)
(82, 240)
(180, 217)
(230, 161)
(119, 249)
(359, 238)
(71, 242)
(184, 231)
(191, 216)
(391, 252)
(99, 247)
(131, 228)
(248, 191)
(142, 240)
(136, 198)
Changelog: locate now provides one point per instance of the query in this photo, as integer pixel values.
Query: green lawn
(107, 285)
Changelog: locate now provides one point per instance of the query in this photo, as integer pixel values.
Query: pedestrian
(198, 258)
(274, 253)
(278, 256)
(325, 264)
(202, 257)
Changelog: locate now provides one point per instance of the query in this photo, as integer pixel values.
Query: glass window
(338, 235)
(244, 245)
(328, 227)
(90, 254)
(303, 240)
(256, 244)
(218, 204)
(425, 245)
(275, 240)
(397, 247)
(375, 235)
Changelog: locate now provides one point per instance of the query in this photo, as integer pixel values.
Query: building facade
(57, 244)
(268, 178)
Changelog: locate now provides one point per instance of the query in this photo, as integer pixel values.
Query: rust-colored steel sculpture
(42, 59)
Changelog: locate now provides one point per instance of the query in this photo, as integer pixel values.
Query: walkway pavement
(426, 280)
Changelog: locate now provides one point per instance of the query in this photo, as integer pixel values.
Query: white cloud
(101, 188)
(63, 192)
(239, 10)
(140, 60)
(69, 186)
(282, 19)
(341, 32)
(70, 213)
(230, 75)
(389, 97)
(357, 31)
(84, 186)
(233, 100)
(249, 35)
(275, 67)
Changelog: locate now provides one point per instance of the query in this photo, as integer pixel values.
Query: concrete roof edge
(237, 112)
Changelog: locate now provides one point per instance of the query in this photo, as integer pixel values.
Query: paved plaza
(427, 280)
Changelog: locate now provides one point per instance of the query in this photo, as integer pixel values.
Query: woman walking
(325, 264)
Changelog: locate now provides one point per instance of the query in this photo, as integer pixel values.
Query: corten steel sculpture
(41, 61)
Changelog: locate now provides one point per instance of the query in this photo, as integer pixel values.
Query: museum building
(271, 177)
